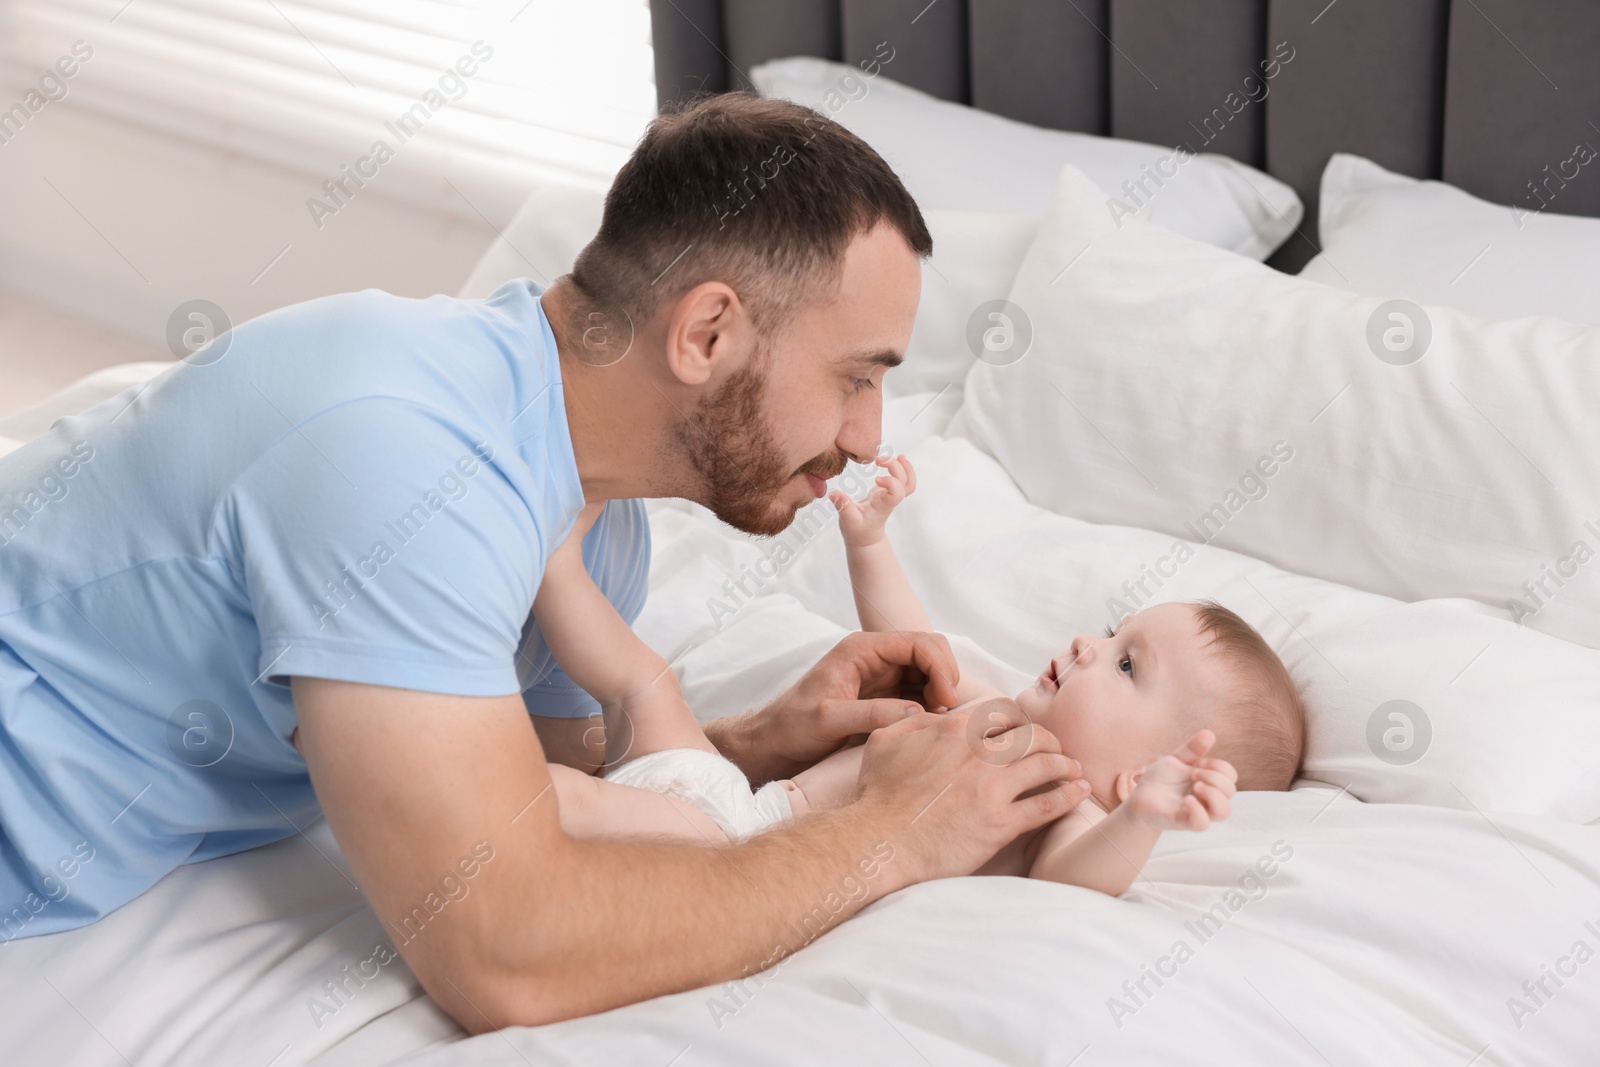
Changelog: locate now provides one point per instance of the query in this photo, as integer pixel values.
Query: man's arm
(576, 743)
(420, 787)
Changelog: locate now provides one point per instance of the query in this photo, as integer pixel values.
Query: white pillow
(1390, 235)
(959, 158)
(975, 259)
(543, 238)
(1434, 702)
(1178, 387)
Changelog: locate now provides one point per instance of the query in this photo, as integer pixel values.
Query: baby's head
(1126, 699)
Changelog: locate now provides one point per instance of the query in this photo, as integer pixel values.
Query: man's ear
(1125, 782)
(698, 330)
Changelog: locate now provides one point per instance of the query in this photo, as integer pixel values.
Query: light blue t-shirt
(361, 487)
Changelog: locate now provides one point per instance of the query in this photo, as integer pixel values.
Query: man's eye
(862, 383)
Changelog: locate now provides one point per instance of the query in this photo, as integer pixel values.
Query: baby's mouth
(1049, 679)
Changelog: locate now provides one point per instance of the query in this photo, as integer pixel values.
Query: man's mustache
(827, 466)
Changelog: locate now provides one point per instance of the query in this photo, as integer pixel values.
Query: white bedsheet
(1391, 935)
(1386, 933)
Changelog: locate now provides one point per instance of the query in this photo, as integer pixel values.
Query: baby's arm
(884, 597)
(831, 782)
(639, 696)
(1183, 791)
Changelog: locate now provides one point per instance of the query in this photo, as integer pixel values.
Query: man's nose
(862, 431)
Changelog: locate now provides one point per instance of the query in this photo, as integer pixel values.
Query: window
(556, 87)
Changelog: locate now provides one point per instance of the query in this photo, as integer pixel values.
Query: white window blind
(313, 85)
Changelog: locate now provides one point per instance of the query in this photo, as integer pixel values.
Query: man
(323, 534)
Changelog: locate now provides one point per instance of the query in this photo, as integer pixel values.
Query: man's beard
(739, 465)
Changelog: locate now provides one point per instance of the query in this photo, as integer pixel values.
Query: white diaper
(711, 783)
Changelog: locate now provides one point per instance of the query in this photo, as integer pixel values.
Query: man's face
(767, 438)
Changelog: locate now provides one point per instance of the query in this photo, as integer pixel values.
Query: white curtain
(557, 87)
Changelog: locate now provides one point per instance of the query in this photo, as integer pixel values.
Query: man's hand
(868, 680)
(950, 791)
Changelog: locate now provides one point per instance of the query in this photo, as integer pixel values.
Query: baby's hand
(862, 523)
(1184, 791)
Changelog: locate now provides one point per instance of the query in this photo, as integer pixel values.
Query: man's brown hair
(764, 195)
(1266, 735)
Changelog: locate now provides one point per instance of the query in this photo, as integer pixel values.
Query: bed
(1428, 892)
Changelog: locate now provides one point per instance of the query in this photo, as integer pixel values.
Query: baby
(1159, 713)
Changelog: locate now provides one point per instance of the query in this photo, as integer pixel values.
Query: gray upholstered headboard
(1485, 94)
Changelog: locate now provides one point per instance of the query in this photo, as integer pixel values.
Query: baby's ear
(1125, 783)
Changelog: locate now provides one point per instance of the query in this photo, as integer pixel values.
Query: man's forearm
(597, 924)
(739, 739)
(731, 736)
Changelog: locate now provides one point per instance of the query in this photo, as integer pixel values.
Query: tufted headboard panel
(1485, 94)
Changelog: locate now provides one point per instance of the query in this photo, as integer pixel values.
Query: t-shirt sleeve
(381, 543)
(616, 553)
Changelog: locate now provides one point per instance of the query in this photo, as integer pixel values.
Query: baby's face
(1117, 703)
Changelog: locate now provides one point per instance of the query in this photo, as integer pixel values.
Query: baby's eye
(1110, 632)
(1126, 664)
